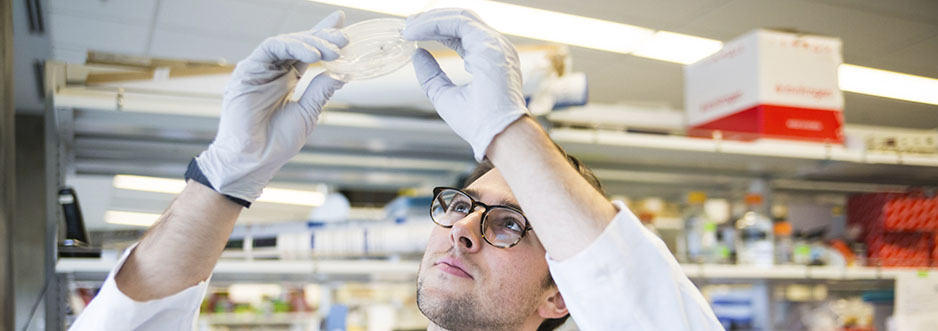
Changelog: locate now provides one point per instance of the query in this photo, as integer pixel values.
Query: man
(488, 266)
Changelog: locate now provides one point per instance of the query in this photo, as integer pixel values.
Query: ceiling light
(677, 48)
(537, 23)
(554, 26)
(175, 186)
(292, 197)
(149, 184)
(888, 84)
(629, 39)
(130, 218)
(396, 8)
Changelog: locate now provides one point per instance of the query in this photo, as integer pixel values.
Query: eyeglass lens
(502, 227)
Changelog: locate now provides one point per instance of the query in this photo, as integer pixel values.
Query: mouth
(452, 267)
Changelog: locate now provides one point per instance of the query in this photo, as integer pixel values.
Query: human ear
(553, 306)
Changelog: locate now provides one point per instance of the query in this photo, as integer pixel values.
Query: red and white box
(877, 212)
(768, 84)
(901, 249)
(934, 251)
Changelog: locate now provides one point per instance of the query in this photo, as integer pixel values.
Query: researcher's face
(466, 284)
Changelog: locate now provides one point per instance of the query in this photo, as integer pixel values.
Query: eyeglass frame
(486, 208)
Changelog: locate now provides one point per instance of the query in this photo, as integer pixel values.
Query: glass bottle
(754, 240)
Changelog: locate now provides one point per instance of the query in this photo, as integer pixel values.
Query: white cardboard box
(768, 84)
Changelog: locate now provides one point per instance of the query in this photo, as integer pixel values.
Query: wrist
(524, 131)
(194, 173)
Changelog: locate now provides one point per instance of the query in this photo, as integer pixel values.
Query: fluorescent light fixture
(629, 39)
(149, 184)
(888, 84)
(130, 218)
(292, 197)
(396, 8)
(536, 23)
(554, 26)
(677, 48)
(174, 186)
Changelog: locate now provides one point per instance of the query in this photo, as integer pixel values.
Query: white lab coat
(625, 280)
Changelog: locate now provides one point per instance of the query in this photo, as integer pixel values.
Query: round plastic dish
(376, 48)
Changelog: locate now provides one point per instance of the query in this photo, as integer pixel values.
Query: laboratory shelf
(257, 319)
(765, 157)
(267, 270)
(312, 270)
(795, 272)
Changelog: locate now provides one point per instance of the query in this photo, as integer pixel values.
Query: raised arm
(181, 249)
(612, 272)
(539, 175)
(260, 129)
(490, 114)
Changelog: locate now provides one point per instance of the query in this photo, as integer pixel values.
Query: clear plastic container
(376, 48)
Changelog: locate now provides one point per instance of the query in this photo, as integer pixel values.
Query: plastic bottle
(784, 247)
(699, 230)
(724, 252)
(754, 240)
(801, 253)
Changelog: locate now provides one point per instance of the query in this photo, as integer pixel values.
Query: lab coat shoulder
(628, 280)
(111, 309)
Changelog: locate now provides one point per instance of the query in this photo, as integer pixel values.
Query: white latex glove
(484, 107)
(260, 127)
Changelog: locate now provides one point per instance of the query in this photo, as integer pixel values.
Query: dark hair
(485, 166)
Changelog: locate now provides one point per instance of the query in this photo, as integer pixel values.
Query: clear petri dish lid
(376, 47)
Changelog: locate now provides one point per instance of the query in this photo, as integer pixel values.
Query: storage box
(878, 212)
(901, 249)
(934, 250)
(768, 84)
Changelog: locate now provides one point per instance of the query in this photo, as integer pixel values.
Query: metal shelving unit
(91, 269)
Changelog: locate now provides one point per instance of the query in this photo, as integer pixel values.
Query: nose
(465, 234)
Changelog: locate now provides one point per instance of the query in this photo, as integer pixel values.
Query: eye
(510, 223)
(459, 206)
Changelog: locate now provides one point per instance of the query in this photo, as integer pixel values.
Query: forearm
(181, 249)
(566, 212)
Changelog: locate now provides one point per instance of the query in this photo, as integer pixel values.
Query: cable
(32, 312)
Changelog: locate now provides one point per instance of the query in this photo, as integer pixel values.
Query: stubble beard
(470, 312)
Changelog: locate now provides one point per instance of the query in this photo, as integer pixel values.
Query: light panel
(396, 8)
(537, 23)
(888, 84)
(554, 26)
(149, 184)
(677, 48)
(292, 197)
(639, 41)
(175, 186)
(130, 218)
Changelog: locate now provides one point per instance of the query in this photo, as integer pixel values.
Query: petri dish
(376, 48)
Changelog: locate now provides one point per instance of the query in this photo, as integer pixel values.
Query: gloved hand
(260, 127)
(484, 107)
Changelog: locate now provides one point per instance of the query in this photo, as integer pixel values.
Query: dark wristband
(194, 173)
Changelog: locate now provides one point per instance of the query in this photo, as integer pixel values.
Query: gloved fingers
(327, 50)
(320, 89)
(443, 12)
(283, 50)
(334, 36)
(327, 41)
(454, 44)
(334, 21)
(432, 28)
(459, 32)
(431, 78)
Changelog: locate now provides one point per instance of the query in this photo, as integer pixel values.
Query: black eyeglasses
(501, 226)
